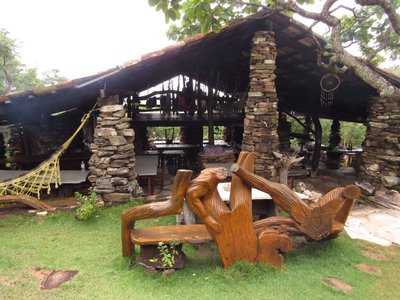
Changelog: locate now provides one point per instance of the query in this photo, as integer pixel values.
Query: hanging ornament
(329, 84)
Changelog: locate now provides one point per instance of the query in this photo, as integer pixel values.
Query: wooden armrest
(172, 206)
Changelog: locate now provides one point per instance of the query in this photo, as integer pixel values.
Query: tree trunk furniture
(232, 228)
(236, 236)
(324, 219)
(27, 200)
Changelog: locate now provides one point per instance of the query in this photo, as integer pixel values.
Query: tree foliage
(372, 25)
(14, 75)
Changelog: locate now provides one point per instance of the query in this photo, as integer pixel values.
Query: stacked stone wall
(381, 156)
(112, 165)
(261, 120)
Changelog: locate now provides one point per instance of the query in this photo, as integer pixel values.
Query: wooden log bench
(195, 233)
(149, 238)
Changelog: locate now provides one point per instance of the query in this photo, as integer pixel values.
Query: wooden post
(210, 105)
(317, 147)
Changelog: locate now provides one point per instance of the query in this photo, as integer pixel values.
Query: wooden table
(352, 154)
(67, 176)
(146, 167)
(262, 204)
(161, 148)
(224, 190)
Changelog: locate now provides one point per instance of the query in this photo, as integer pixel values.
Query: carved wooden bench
(269, 243)
(238, 238)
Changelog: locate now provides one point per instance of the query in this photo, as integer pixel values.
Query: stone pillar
(112, 165)
(381, 157)
(261, 120)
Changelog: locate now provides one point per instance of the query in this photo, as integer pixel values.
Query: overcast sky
(83, 37)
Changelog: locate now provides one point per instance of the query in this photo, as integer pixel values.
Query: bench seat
(196, 233)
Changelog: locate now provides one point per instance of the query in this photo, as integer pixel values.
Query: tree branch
(388, 8)
(385, 88)
(250, 4)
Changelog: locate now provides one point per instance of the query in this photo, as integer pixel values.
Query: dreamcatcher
(329, 84)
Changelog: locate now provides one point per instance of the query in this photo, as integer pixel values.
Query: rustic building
(249, 77)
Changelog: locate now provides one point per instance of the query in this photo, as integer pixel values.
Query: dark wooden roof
(218, 59)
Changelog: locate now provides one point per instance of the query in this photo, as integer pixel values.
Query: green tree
(14, 75)
(373, 25)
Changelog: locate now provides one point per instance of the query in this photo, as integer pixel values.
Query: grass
(59, 241)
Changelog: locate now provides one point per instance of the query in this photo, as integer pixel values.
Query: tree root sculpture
(324, 219)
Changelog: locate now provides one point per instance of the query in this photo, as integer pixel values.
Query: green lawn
(59, 241)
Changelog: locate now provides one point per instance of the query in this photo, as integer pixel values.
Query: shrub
(87, 206)
(167, 255)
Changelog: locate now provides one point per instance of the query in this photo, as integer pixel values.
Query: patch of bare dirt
(375, 255)
(51, 279)
(5, 281)
(372, 270)
(337, 284)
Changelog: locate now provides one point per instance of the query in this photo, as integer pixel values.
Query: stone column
(261, 120)
(381, 157)
(112, 165)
